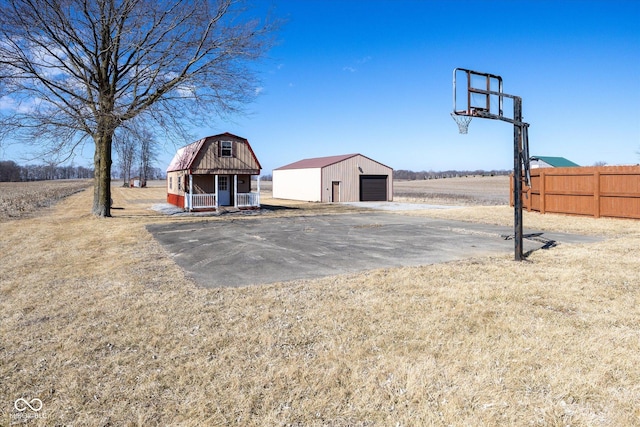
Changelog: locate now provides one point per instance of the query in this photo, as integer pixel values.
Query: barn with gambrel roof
(212, 172)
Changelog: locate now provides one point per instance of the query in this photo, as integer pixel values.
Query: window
(170, 183)
(226, 149)
(223, 183)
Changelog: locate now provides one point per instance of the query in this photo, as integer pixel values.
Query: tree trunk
(102, 180)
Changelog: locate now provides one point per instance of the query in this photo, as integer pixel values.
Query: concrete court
(238, 252)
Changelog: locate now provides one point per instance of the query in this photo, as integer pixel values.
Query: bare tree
(125, 146)
(134, 146)
(147, 154)
(78, 69)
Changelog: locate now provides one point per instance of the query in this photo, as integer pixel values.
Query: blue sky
(375, 77)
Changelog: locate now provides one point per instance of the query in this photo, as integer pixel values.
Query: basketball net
(462, 122)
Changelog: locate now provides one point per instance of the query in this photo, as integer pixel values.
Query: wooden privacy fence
(609, 191)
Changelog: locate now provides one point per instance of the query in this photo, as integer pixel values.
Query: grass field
(464, 191)
(21, 199)
(99, 323)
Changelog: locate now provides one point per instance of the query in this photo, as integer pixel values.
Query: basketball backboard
(477, 94)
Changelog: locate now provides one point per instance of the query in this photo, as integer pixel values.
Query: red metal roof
(184, 157)
(316, 162)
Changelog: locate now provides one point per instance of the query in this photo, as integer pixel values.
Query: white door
(224, 192)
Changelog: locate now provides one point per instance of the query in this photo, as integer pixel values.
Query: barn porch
(214, 191)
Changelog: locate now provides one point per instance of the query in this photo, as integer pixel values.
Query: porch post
(235, 191)
(190, 192)
(258, 196)
(215, 189)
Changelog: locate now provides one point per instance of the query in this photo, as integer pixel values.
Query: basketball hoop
(481, 95)
(462, 121)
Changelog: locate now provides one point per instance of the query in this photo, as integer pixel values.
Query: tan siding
(242, 161)
(244, 183)
(174, 178)
(348, 172)
(204, 184)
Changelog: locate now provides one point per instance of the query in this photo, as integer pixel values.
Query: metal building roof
(321, 162)
(556, 162)
(316, 162)
(185, 155)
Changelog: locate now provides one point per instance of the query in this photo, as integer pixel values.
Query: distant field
(472, 190)
(20, 199)
(462, 191)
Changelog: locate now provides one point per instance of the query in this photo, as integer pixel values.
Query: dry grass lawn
(98, 322)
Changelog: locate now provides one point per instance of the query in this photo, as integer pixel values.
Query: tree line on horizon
(413, 176)
(454, 173)
(10, 171)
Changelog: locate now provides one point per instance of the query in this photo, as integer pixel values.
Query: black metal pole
(517, 177)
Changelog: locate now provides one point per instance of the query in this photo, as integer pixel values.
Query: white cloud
(10, 104)
(278, 68)
(7, 103)
(353, 69)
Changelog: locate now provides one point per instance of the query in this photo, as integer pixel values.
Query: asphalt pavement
(258, 250)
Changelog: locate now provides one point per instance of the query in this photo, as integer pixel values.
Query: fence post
(596, 194)
(542, 191)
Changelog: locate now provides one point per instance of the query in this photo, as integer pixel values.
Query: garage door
(373, 188)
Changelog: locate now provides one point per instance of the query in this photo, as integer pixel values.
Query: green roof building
(551, 162)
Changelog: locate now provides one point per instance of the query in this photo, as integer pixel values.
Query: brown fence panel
(610, 191)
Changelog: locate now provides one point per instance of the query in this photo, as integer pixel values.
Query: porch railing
(202, 201)
(248, 200)
(208, 201)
